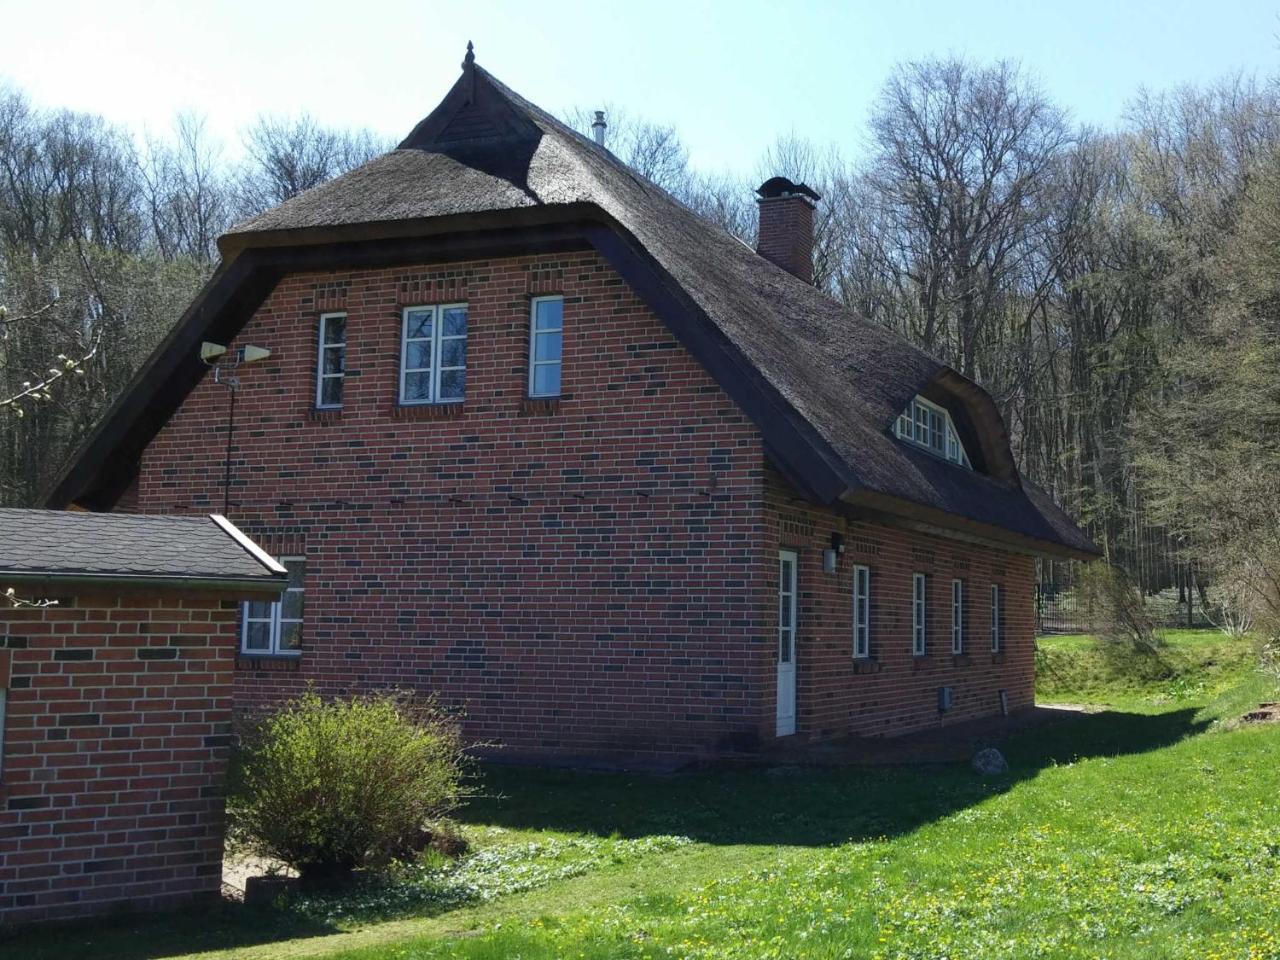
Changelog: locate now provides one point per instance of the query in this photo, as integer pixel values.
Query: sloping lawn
(1151, 831)
(1190, 667)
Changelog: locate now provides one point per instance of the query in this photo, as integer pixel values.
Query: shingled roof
(57, 545)
(823, 385)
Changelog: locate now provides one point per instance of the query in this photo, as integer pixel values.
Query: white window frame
(922, 422)
(274, 619)
(861, 612)
(436, 340)
(957, 617)
(997, 638)
(919, 613)
(534, 362)
(321, 376)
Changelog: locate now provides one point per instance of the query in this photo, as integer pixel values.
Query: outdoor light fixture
(831, 556)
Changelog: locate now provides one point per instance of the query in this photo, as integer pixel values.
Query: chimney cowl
(785, 234)
(598, 127)
(778, 187)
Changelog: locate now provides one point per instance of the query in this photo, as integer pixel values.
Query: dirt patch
(1266, 713)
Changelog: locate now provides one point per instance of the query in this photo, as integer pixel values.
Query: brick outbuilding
(117, 654)
(530, 434)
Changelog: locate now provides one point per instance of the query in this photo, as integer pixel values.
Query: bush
(331, 786)
(1115, 607)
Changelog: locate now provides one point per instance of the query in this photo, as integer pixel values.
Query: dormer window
(929, 426)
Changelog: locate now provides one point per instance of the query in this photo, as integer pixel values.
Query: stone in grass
(989, 762)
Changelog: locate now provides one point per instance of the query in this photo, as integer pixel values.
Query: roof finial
(470, 58)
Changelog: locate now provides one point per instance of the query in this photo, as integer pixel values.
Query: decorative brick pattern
(591, 575)
(115, 752)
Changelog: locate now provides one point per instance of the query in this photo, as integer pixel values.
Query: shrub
(1115, 607)
(331, 786)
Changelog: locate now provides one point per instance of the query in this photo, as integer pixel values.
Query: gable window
(331, 367)
(546, 341)
(957, 616)
(861, 612)
(918, 584)
(274, 627)
(928, 425)
(433, 354)
(997, 616)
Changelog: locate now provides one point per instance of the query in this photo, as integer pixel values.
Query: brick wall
(594, 574)
(577, 575)
(115, 752)
(894, 691)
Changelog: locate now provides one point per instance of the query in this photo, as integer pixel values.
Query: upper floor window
(546, 340)
(861, 612)
(929, 426)
(275, 626)
(332, 364)
(433, 354)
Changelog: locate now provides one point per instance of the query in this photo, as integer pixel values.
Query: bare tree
(962, 156)
(186, 191)
(287, 155)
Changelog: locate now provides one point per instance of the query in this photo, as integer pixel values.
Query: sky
(731, 76)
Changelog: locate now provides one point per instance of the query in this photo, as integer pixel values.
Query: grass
(1191, 666)
(1146, 830)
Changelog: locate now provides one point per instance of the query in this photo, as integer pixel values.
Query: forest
(1116, 290)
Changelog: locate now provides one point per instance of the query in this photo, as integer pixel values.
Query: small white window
(546, 342)
(957, 616)
(918, 611)
(861, 612)
(996, 617)
(433, 354)
(274, 627)
(331, 367)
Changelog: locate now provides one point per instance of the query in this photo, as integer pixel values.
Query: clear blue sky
(730, 75)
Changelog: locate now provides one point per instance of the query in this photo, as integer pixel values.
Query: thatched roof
(824, 385)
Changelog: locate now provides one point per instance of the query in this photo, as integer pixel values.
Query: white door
(786, 642)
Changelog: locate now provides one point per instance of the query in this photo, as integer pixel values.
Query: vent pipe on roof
(598, 127)
(786, 225)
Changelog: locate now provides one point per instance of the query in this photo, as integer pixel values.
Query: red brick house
(115, 706)
(536, 437)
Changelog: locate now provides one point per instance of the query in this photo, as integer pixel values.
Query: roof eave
(912, 515)
(267, 585)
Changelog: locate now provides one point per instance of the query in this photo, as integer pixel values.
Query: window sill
(863, 665)
(283, 662)
(324, 414)
(997, 656)
(961, 659)
(920, 661)
(540, 405)
(427, 411)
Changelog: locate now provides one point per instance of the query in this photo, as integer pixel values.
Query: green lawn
(1146, 830)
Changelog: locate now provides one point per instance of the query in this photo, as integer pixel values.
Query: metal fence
(1059, 609)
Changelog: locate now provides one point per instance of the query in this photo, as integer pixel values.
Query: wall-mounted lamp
(831, 556)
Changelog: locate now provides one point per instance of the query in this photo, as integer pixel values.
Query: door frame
(785, 726)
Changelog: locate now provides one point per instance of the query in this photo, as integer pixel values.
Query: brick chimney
(786, 225)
